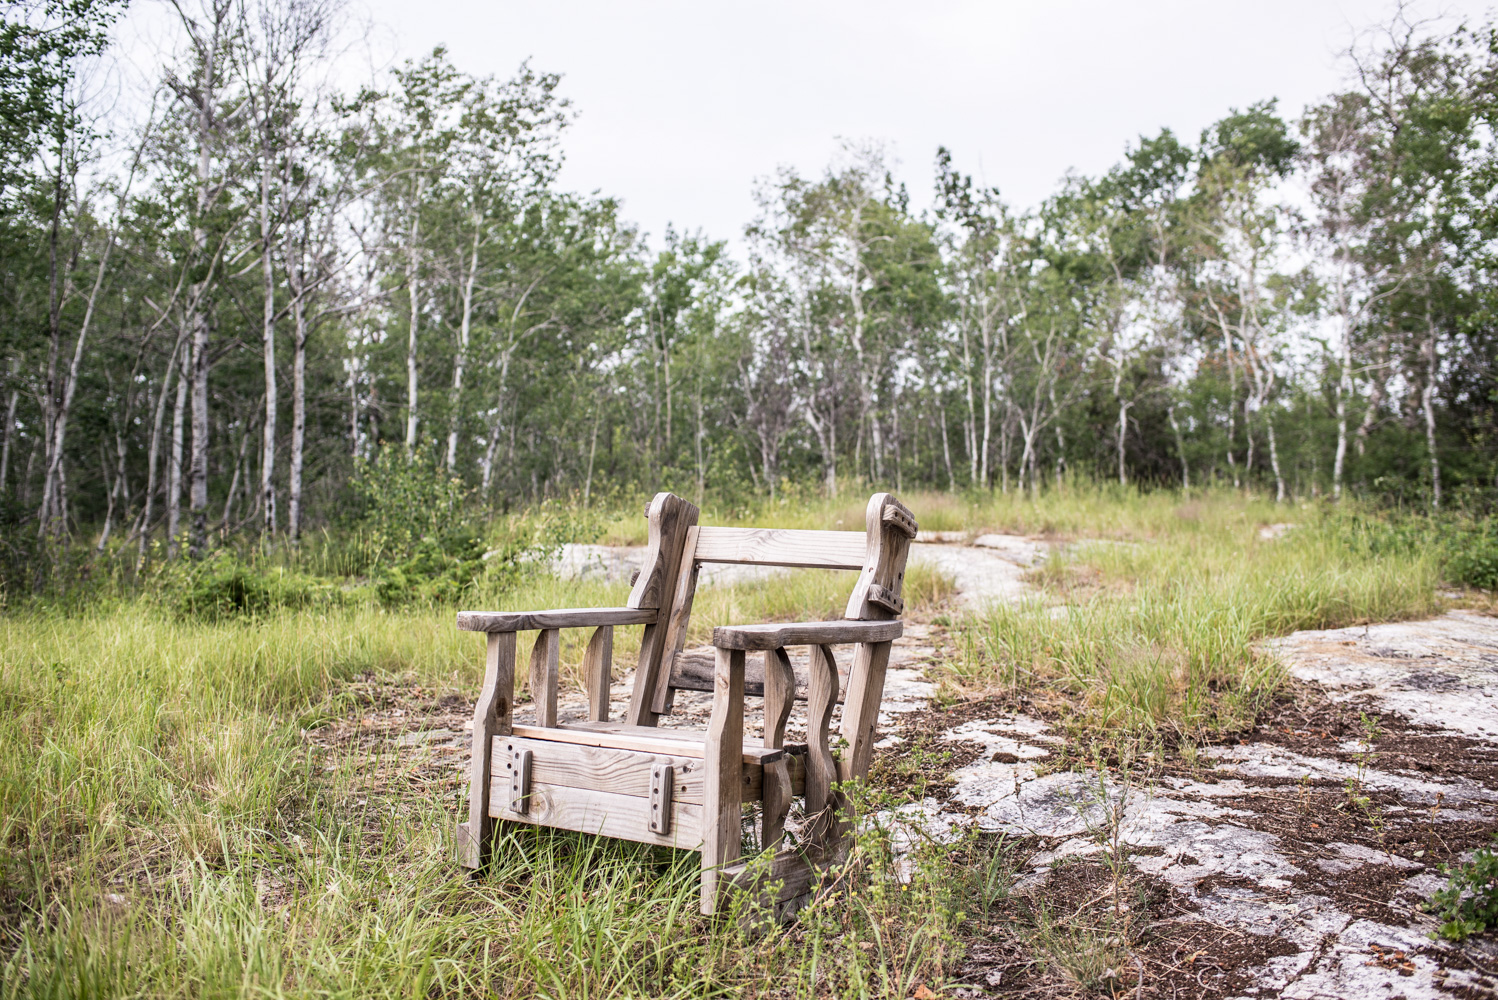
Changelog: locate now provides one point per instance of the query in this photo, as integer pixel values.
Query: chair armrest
(778, 634)
(525, 621)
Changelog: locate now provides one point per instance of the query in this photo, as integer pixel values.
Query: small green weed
(1469, 903)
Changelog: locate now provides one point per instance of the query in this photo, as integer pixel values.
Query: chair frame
(684, 788)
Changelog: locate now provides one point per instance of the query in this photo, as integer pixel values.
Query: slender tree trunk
(462, 356)
(983, 477)
(174, 462)
(413, 285)
(1175, 425)
(10, 427)
(1123, 431)
(154, 453)
(1428, 404)
(1274, 461)
(198, 487)
(1344, 392)
(268, 347)
(946, 449)
(48, 515)
(298, 409)
(592, 451)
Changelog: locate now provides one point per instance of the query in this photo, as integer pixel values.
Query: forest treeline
(217, 303)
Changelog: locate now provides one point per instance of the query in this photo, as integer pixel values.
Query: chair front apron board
(684, 788)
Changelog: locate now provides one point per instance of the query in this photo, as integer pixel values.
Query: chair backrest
(877, 554)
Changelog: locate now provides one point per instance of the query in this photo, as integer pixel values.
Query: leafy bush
(1467, 548)
(423, 533)
(1475, 561)
(401, 503)
(1469, 903)
(226, 586)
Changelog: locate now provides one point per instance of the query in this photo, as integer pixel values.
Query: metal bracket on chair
(662, 783)
(520, 780)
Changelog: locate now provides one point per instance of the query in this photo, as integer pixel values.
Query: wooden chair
(678, 787)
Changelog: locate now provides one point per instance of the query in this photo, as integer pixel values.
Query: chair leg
(861, 709)
(723, 757)
(492, 716)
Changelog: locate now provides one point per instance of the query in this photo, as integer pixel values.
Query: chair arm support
(777, 634)
(525, 621)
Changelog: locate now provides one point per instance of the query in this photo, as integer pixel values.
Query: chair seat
(777, 634)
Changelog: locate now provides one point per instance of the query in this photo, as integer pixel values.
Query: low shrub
(1475, 560)
(227, 586)
(1469, 903)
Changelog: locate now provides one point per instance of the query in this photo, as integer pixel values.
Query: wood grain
(528, 621)
(598, 672)
(861, 710)
(676, 622)
(604, 813)
(884, 564)
(821, 768)
(723, 761)
(780, 692)
(670, 518)
(492, 716)
(775, 635)
(789, 874)
(624, 772)
(544, 681)
(646, 739)
(792, 547)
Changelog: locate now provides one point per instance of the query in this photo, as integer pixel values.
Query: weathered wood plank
(890, 527)
(775, 635)
(544, 682)
(788, 874)
(528, 621)
(645, 739)
(821, 767)
(721, 810)
(492, 716)
(668, 518)
(598, 670)
(607, 769)
(694, 672)
(604, 813)
(676, 623)
(861, 710)
(791, 547)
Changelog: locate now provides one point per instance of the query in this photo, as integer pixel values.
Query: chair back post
(669, 517)
(890, 527)
(877, 596)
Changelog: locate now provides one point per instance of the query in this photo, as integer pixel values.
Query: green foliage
(225, 585)
(401, 501)
(1469, 903)
(1475, 561)
(1467, 548)
(422, 529)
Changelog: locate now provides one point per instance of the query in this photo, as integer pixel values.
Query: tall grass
(1160, 635)
(172, 824)
(169, 827)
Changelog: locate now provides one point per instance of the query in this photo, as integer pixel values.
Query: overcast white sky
(684, 104)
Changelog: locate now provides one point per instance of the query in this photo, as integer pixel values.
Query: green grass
(1159, 636)
(174, 823)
